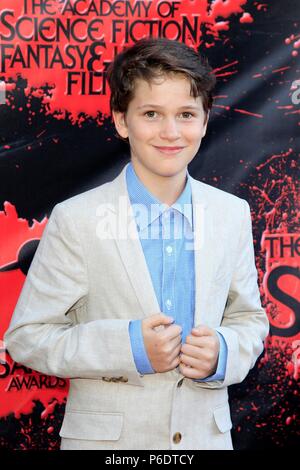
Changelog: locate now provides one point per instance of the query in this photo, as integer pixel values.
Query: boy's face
(164, 125)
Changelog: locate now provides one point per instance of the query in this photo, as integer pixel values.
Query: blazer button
(180, 383)
(177, 437)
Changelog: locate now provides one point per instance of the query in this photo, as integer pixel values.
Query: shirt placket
(169, 264)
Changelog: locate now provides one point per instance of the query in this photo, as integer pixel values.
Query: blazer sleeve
(44, 333)
(245, 324)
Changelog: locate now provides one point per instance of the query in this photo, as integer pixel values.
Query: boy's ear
(205, 123)
(120, 123)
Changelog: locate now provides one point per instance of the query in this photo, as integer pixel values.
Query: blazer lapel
(204, 249)
(128, 243)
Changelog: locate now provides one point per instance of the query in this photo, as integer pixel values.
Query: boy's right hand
(162, 342)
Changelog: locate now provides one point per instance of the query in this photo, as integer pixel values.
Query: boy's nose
(169, 129)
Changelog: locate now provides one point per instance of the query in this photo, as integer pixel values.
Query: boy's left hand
(199, 355)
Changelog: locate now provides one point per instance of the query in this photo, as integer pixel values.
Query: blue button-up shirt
(166, 236)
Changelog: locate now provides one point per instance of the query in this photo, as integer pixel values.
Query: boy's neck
(166, 189)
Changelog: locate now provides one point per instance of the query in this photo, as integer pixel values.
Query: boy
(143, 291)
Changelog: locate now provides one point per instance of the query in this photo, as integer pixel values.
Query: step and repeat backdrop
(57, 139)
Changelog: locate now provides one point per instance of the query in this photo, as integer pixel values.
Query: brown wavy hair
(150, 58)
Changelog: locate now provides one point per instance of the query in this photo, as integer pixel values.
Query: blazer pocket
(222, 418)
(92, 425)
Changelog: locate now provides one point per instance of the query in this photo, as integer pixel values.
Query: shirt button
(168, 304)
(179, 383)
(177, 437)
(169, 249)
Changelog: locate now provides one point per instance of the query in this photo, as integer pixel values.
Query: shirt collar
(140, 196)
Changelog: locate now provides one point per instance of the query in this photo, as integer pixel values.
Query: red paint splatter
(243, 111)
(294, 41)
(221, 106)
(261, 6)
(254, 407)
(282, 69)
(49, 409)
(246, 18)
(208, 19)
(21, 386)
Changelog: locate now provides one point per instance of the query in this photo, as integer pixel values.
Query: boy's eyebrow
(190, 106)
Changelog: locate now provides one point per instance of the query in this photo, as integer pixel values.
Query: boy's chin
(167, 169)
(169, 173)
(171, 169)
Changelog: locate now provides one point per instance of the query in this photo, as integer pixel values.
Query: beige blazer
(89, 278)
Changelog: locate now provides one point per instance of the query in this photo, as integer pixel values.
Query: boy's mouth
(170, 150)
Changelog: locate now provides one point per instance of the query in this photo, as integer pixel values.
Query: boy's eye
(150, 114)
(187, 114)
(184, 114)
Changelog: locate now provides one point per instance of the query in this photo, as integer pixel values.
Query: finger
(176, 353)
(173, 349)
(171, 332)
(190, 361)
(175, 362)
(157, 320)
(190, 372)
(176, 342)
(200, 341)
(193, 351)
(202, 330)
